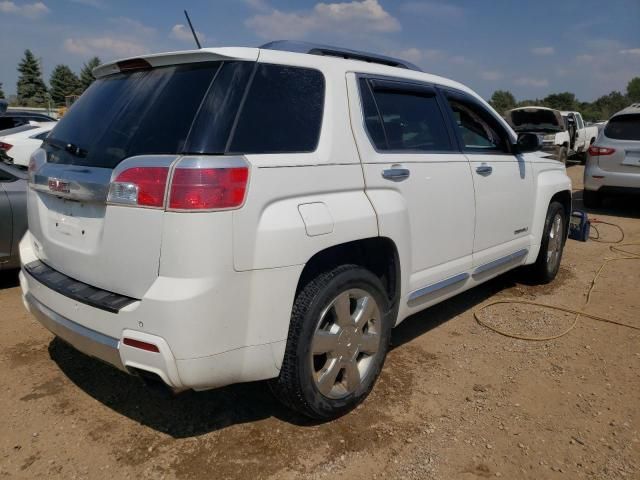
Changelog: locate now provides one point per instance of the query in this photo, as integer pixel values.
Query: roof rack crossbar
(327, 50)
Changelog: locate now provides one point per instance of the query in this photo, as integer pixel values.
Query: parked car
(297, 203)
(613, 163)
(13, 214)
(17, 144)
(580, 136)
(546, 122)
(16, 118)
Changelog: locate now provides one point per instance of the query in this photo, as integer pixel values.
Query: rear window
(206, 108)
(136, 113)
(624, 127)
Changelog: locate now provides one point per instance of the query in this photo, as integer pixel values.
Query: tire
(591, 198)
(563, 155)
(546, 267)
(341, 373)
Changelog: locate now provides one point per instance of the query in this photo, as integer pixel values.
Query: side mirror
(528, 142)
(3, 106)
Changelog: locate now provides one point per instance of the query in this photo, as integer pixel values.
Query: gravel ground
(455, 400)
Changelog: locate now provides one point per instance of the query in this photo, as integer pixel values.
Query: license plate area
(632, 158)
(76, 225)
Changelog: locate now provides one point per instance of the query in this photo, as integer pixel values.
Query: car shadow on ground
(191, 414)
(626, 206)
(9, 279)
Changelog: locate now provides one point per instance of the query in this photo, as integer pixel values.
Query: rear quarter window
(282, 112)
(624, 127)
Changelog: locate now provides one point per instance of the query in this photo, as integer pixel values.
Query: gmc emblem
(57, 185)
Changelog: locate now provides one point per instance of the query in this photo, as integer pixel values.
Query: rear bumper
(104, 347)
(210, 331)
(597, 179)
(88, 341)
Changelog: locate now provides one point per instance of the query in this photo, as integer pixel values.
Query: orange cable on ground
(616, 248)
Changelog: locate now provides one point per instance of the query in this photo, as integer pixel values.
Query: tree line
(32, 90)
(600, 109)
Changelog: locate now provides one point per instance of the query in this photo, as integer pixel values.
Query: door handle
(396, 173)
(484, 170)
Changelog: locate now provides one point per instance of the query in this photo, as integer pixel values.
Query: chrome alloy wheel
(554, 246)
(345, 343)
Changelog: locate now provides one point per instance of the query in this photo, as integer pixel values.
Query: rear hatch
(622, 137)
(141, 111)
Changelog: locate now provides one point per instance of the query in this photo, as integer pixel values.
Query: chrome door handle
(396, 173)
(484, 170)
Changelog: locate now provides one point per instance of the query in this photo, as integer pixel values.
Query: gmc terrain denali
(235, 214)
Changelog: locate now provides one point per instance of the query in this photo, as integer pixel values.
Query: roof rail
(327, 50)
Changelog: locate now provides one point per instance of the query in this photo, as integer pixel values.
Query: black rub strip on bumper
(79, 291)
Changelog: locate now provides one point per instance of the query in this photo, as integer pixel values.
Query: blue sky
(534, 48)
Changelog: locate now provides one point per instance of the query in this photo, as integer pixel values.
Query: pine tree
(1, 91)
(63, 82)
(86, 75)
(31, 88)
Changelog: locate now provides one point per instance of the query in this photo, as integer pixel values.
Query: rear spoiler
(176, 58)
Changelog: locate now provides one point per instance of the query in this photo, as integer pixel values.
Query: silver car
(613, 161)
(13, 214)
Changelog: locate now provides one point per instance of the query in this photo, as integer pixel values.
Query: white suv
(227, 215)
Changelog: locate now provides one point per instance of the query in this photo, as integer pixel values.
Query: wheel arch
(552, 184)
(377, 254)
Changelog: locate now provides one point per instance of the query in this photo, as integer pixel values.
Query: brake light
(5, 146)
(208, 188)
(596, 151)
(143, 186)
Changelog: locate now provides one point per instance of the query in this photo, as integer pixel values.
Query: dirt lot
(455, 401)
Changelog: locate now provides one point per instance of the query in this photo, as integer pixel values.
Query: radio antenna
(195, 37)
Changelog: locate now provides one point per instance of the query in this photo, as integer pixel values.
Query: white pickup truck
(580, 136)
(563, 133)
(297, 203)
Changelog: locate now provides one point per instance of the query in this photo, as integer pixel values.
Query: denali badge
(57, 185)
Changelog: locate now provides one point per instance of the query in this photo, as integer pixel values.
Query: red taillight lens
(143, 186)
(149, 347)
(5, 146)
(208, 188)
(600, 151)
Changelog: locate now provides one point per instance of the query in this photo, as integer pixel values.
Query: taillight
(194, 184)
(596, 151)
(5, 146)
(208, 188)
(142, 186)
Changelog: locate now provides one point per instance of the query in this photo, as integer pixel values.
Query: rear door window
(403, 117)
(624, 127)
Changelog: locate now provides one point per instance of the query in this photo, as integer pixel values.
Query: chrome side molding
(421, 292)
(500, 261)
